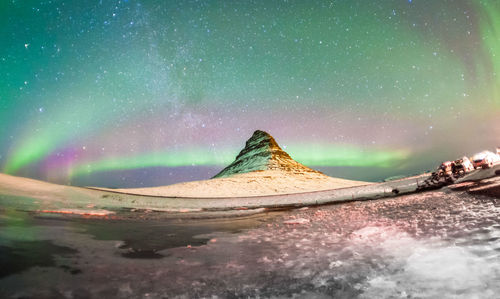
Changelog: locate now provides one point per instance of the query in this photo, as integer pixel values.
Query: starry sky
(137, 93)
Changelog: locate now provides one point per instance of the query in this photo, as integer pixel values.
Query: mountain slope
(261, 152)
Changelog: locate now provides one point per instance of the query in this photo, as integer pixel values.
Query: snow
(439, 244)
(297, 221)
(480, 174)
(255, 183)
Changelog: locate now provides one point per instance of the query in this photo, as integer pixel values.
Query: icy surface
(441, 244)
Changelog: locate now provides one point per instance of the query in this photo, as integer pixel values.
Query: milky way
(156, 92)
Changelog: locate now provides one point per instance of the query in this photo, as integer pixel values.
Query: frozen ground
(439, 244)
(32, 195)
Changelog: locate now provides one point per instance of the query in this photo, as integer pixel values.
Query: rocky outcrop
(261, 152)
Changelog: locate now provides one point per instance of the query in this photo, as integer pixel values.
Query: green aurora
(315, 155)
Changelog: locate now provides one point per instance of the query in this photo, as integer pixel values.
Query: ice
(430, 245)
(434, 272)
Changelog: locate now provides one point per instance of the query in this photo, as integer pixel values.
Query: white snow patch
(297, 221)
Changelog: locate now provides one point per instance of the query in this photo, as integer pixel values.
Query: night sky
(141, 93)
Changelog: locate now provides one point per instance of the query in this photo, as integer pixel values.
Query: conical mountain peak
(262, 152)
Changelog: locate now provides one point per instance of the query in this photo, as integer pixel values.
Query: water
(436, 244)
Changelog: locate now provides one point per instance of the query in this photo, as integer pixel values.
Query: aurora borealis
(102, 89)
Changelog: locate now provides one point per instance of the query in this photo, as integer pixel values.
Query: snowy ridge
(261, 152)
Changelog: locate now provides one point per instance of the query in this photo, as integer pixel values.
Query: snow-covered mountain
(262, 168)
(261, 152)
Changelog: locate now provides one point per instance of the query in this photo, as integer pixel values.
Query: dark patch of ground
(22, 255)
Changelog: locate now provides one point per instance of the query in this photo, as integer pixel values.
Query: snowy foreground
(33, 195)
(437, 244)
